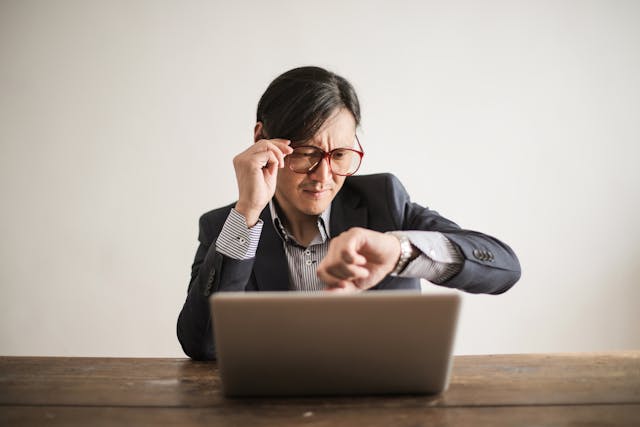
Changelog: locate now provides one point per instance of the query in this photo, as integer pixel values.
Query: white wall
(118, 122)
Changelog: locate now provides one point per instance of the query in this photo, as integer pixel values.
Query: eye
(340, 154)
(305, 153)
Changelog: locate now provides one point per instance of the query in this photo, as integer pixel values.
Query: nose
(322, 171)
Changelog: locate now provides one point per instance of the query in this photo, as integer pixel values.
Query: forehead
(339, 130)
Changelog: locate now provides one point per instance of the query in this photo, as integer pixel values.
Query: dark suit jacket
(377, 202)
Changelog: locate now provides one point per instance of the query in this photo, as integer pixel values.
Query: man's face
(310, 194)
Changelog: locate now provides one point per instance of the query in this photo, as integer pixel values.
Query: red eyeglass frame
(327, 155)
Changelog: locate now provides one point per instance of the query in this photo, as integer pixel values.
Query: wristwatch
(405, 253)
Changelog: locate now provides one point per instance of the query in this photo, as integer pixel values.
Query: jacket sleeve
(489, 265)
(211, 272)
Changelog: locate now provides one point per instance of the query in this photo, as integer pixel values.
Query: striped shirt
(439, 259)
(303, 262)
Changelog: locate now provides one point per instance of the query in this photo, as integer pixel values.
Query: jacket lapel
(270, 268)
(347, 212)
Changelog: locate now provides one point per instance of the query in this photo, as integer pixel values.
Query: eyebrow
(309, 142)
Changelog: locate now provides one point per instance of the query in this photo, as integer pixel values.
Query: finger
(344, 287)
(337, 284)
(363, 284)
(255, 157)
(351, 256)
(327, 272)
(271, 168)
(281, 141)
(337, 290)
(352, 288)
(283, 144)
(275, 140)
(285, 149)
(265, 158)
(327, 278)
(280, 145)
(357, 259)
(351, 241)
(350, 272)
(278, 152)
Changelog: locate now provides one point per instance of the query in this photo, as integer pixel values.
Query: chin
(315, 209)
(314, 205)
(314, 212)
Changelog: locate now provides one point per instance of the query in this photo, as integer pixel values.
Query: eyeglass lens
(342, 161)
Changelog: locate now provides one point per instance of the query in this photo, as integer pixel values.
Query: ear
(257, 132)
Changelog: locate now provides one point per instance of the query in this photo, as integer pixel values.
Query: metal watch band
(405, 253)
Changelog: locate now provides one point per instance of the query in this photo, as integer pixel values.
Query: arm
(227, 264)
(433, 256)
(223, 266)
(488, 265)
(360, 258)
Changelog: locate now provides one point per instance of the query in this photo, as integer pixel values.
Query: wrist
(250, 215)
(407, 253)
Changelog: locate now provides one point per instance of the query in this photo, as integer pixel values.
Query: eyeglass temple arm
(359, 145)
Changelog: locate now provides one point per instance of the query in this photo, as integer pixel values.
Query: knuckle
(357, 230)
(352, 232)
(345, 254)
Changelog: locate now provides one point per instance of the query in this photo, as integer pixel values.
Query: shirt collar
(323, 223)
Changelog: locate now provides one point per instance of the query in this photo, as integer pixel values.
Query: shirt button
(241, 240)
(308, 262)
(307, 252)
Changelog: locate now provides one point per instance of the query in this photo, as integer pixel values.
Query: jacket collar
(323, 222)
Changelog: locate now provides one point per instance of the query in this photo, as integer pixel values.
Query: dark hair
(297, 103)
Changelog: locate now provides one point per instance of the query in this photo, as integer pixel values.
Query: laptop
(306, 344)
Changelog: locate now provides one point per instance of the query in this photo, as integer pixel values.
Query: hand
(256, 172)
(358, 259)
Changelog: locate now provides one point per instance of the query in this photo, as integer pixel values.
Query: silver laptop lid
(294, 343)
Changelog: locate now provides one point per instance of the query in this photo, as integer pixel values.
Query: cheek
(287, 180)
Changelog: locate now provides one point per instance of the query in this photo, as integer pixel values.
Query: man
(303, 222)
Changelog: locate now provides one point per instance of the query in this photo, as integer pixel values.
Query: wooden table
(545, 389)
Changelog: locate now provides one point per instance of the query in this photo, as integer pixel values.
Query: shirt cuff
(439, 259)
(236, 240)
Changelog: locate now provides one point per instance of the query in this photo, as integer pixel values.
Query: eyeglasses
(342, 161)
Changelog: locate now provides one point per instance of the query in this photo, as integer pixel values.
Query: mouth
(315, 192)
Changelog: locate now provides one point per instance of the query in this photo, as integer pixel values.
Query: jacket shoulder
(375, 183)
(383, 188)
(383, 196)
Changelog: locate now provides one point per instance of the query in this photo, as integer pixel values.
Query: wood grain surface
(535, 389)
